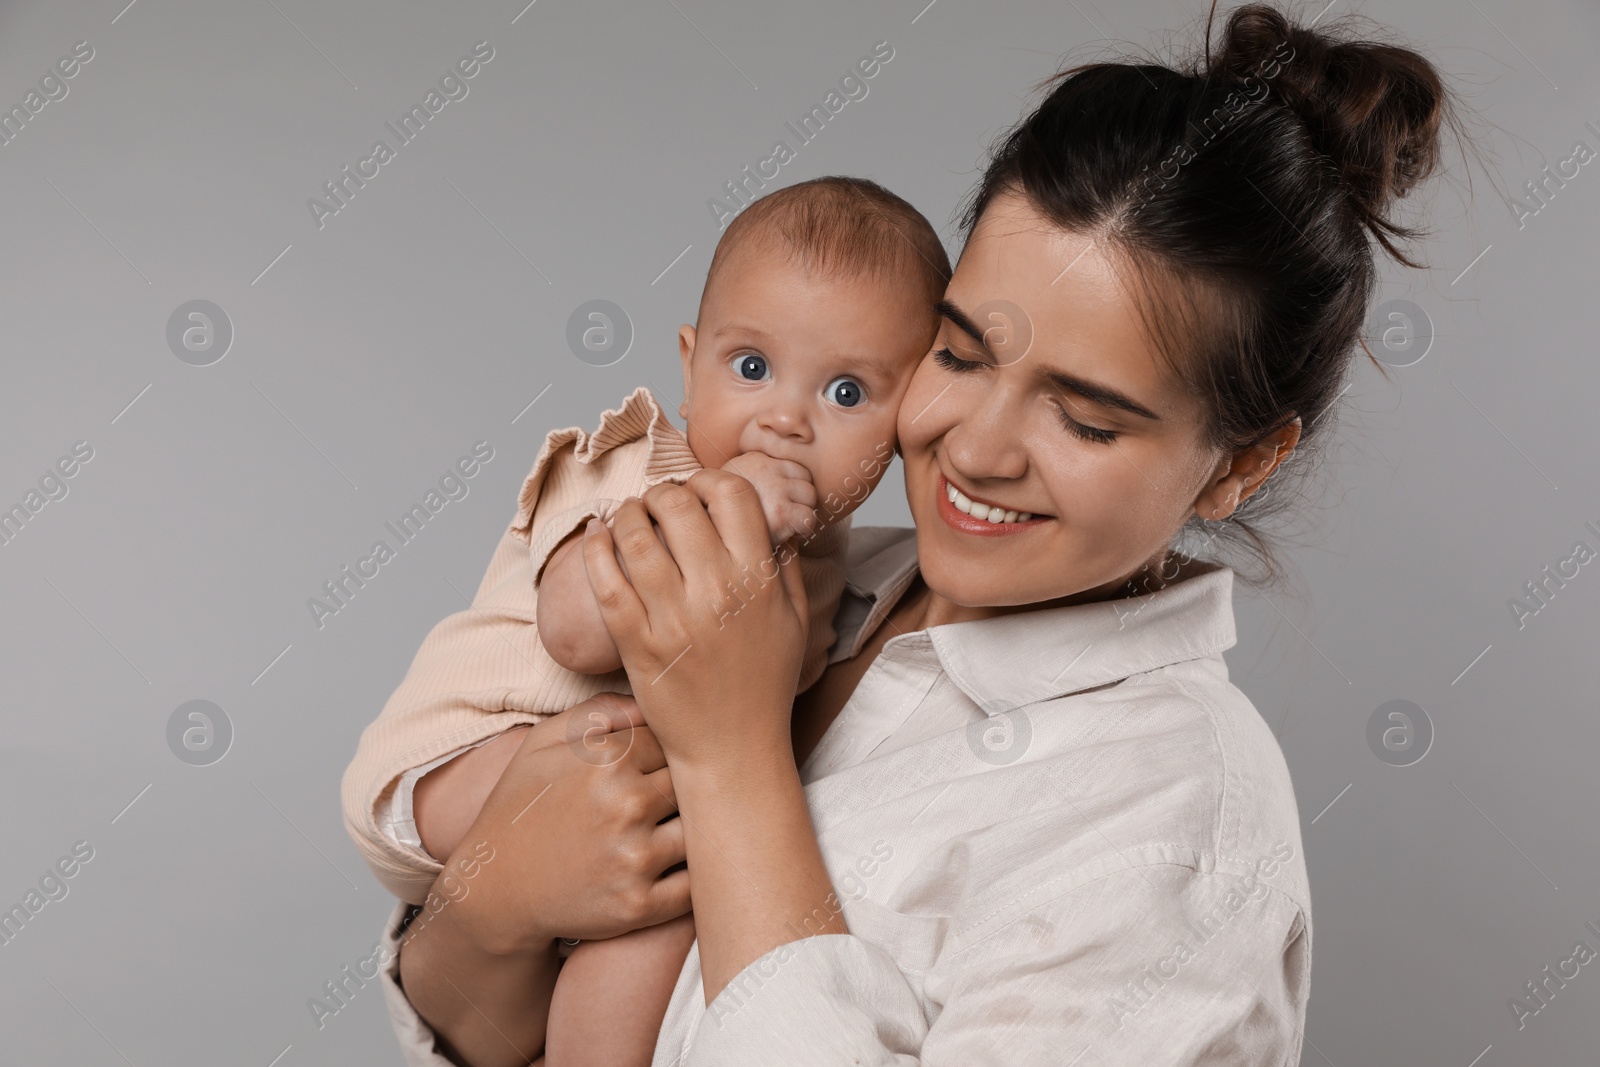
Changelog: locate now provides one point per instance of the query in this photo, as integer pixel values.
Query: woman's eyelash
(950, 361)
(1087, 433)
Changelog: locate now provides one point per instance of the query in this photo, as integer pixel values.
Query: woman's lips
(973, 524)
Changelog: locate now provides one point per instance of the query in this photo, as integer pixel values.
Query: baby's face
(803, 367)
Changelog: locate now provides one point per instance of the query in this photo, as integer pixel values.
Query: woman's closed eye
(1088, 433)
(950, 361)
(1094, 434)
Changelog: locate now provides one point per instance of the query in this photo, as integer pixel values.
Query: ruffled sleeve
(579, 476)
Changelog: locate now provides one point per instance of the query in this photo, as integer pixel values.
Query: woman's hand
(577, 815)
(579, 850)
(712, 634)
(712, 626)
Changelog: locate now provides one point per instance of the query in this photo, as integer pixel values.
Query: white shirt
(1057, 837)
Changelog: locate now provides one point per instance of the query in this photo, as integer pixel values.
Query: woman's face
(1043, 397)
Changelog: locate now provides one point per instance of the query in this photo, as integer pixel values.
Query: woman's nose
(983, 443)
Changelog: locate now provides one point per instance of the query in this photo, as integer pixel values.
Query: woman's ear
(1238, 476)
(686, 339)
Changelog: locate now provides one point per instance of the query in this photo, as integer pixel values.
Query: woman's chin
(971, 583)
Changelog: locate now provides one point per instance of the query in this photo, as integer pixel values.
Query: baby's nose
(786, 419)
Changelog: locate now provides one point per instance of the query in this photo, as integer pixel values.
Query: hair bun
(1374, 109)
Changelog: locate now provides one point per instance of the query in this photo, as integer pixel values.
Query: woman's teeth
(983, 511)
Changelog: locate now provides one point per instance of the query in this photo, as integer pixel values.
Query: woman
(1032, 822)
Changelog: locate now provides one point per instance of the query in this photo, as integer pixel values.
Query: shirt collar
(1013, 660)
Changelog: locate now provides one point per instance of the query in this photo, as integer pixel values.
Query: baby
(817, 307)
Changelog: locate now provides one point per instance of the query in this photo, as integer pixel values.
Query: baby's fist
(788, 498)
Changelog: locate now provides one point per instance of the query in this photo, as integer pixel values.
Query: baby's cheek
(713, 438)
(855, 465)
(875, 449)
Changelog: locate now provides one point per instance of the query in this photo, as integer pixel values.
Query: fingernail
(591, 526)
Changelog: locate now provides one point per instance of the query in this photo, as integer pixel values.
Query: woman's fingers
(584, 860)
(588, 722)
(548, 732)
(594, 720)
(669, 898)
(667, 846)
(794, 583)
(619, 710)
(690, 536)
(651, 567)
(620, 606)
(659, 783)
(735, 511)
(644, 751)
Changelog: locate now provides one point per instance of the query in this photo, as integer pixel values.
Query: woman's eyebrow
(1096, 393)
(1091, 391)
(948, 310)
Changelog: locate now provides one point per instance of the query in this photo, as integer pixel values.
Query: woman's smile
(981, 517)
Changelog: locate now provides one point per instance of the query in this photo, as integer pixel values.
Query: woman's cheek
(923, 407)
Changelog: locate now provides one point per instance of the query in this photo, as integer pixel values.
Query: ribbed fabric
(483, 670)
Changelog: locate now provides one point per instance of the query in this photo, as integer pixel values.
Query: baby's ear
(686, 340)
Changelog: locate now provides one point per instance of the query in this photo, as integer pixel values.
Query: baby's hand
(787, 496)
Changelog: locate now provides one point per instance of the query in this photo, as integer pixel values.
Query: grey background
(427, 315)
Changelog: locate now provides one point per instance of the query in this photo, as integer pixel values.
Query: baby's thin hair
(842, 226)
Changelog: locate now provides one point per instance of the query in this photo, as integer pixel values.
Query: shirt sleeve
(1150, 965)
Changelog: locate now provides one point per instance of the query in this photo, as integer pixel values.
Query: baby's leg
(611, 996)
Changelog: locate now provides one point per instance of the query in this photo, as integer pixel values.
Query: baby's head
(818, 306)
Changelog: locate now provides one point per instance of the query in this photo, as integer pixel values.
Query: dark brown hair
(849, 227)
(1245, 190)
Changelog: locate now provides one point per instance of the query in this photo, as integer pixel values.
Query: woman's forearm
(757, 873)
(486, 1008)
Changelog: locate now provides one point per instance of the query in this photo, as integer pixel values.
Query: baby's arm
(570, 624)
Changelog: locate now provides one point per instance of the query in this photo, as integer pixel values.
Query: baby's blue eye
(752, 367)
(846, 392)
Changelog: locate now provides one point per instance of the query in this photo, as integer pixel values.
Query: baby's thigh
(664, 942)
(611, 996)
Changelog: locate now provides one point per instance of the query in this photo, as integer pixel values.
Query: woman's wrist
(760, 881)
(482, 985)
(725, 770)
(481, 930)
